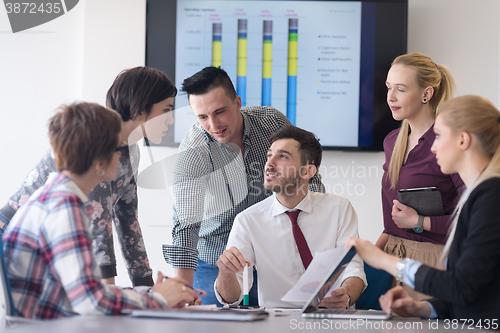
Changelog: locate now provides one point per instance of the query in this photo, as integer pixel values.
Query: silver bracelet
(399, 269)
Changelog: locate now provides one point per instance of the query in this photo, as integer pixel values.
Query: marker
(245, 285)
(199, 292)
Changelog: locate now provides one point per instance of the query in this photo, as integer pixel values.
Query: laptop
(311, 309)
(201, 313)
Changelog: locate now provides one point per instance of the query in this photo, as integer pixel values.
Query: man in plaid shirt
(47, 245)
(218, 173)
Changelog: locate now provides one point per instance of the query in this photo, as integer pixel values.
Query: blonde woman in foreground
(468, 143)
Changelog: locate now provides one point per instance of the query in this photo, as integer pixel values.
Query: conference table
(291, 322)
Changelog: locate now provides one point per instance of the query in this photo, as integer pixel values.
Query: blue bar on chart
(291, 99)
(217, 44)
(241, 64)
(267, 62)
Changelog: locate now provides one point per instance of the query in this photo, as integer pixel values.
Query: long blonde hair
(481, 119)
(429, 74)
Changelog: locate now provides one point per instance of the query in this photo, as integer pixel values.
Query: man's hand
(339, 299)
(232, 261)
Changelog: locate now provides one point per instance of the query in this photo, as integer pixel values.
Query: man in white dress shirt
(262, 234)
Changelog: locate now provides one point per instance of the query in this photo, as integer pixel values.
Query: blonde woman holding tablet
(416, 88)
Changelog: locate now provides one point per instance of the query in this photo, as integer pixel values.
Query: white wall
(78, 55)
(464, 35)
(40, 69)
(114, 40)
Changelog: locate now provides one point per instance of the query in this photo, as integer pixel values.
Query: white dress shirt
(263, 234)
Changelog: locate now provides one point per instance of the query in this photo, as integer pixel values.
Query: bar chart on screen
(279, 54)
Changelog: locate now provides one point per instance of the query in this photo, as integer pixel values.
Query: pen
(199, 292)
(245, 285)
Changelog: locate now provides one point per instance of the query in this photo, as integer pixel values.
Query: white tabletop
(289, 323)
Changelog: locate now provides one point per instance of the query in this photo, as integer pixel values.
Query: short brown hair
(310, 149)
(82, 133)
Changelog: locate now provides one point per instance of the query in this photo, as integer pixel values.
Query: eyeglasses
(121, 149)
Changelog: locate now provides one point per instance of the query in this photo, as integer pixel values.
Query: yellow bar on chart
(217, 44)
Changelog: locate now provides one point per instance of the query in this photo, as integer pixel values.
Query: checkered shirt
(49, 259)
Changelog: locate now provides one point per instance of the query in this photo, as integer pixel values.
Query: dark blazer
(470, 287)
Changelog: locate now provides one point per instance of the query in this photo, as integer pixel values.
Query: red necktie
(305, 253)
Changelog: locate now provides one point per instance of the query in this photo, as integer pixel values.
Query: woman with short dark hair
(144, 99)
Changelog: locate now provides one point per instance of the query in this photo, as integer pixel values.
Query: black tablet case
(426, 201)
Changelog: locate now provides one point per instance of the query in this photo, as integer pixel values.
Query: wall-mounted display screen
(321, 63)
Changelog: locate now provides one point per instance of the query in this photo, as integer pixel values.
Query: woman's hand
(175, 291)
(373, 255)
(404, 216)
(398, 301)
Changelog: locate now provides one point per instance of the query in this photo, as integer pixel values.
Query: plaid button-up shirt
(49, 259)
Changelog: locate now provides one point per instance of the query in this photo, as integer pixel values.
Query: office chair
(6, 303)
(379, 282)
(8, 312)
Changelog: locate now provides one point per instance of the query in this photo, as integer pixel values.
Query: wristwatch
(419, 227)
(399, 269)
(348, 302)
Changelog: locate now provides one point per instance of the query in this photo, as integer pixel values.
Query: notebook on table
(201, 313)
(311, 309)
